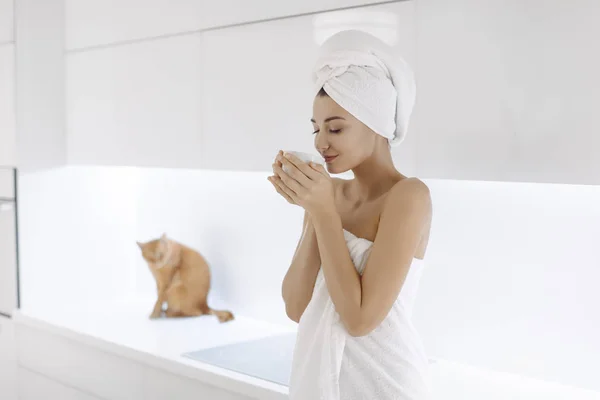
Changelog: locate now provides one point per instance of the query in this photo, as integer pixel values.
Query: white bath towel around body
(388, 363)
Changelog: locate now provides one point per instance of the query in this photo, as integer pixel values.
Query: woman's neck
(375, 176)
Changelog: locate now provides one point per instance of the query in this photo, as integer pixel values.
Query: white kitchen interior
(121, 120)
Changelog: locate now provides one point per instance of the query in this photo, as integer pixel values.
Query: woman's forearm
(299, 281)
(342, 279)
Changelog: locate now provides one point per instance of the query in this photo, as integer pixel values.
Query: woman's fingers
(276, 182)
(290, 178)
(303, 167)
(320, 169)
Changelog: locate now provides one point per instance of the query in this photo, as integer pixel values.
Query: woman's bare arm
(363, 302)
(299, 281)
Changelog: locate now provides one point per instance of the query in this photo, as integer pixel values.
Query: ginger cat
(182, 280)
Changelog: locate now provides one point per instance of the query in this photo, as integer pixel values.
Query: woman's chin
(334, 170)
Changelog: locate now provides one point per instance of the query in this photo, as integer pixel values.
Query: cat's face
(154, 250)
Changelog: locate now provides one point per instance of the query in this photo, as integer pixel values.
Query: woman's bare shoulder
(410, 186)
(409, 191)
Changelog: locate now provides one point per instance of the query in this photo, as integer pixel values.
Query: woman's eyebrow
(328, 119)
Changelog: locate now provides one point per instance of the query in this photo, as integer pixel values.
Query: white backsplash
(510, 283)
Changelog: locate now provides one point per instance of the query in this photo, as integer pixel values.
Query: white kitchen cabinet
(8, 361)
(223, 99)
(100, 22)
(101, 366)
(257, 93)
(136, 105)
(6, 21)
(33, 386)
(8, 150)
(40, 84)
(161, 385)
(79, 366)
(7, 183)
(509, 91)
(8, 258)
(257, 88)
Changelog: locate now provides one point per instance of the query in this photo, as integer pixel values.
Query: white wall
(511, 276)
(75, 230)
(87, 225)
(511, 279)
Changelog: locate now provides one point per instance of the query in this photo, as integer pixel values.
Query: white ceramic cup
(306, 157)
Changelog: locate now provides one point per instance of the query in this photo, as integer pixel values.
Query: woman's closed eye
(334, 131)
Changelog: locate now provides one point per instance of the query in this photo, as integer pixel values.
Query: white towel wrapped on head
(360, 73)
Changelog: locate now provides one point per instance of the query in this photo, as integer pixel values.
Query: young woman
(354, 275)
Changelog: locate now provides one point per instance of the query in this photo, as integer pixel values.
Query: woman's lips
(329, 159)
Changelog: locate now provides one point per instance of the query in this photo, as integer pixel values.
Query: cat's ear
(140, 244)
(163, 238)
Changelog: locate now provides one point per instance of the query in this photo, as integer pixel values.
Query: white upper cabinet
(6, 21)
(257, 89)
(223, 99)
(7, 85)
(136, 104)
(100, 22)
(509, 90)
(7, 107)
(40, 84)
(257, 93)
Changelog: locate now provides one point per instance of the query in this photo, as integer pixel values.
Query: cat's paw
(155, 315)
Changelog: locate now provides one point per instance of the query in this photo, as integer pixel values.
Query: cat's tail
(222, 315)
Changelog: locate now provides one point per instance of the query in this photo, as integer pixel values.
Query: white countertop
(127, 331)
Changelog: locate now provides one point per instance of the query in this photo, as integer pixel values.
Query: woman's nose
(321, 142)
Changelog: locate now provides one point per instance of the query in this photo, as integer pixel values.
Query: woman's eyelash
(331, 131)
